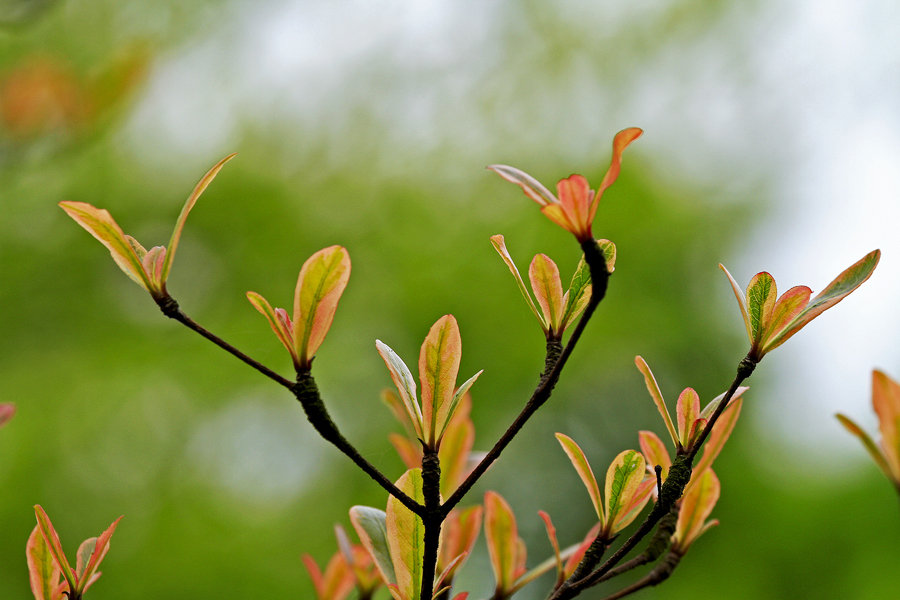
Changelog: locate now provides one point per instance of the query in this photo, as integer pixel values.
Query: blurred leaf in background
(369, 126)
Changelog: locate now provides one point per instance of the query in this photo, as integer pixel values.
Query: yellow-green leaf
(578, 294)
(609, 254)
(868, 443)
(633, 504)
(719, 435)
(406, 385)
(43, 572)
(545, 282)
(696, 505)
(100, 224)
(623, 482)
(456, 448)
(406, 536)
(500, 246)
(583, 468)
(445, 419)
(458, 535)
(845, 283)
(322, 280)
(279, 323)
(185, 211)
(97, 552)
(687, 411)
(54, 546)
(761, 294)
(438, 367)
(742, 302)
(371, 527)
(503, 542)
(657, 396)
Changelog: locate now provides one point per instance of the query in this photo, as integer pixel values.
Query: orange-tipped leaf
(583, 468)
(320, 284)
(657, 396)
(545, 282)
(438, 367)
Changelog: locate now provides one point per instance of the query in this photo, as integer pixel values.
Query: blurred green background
(771, 143)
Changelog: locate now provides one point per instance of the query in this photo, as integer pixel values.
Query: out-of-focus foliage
(223, 484)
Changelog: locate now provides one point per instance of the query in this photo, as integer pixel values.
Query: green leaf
(406, 385)
(185, 211)
(406, 536)
(761, 294)
(657, 396)
(623, 480)
(320, 284)
(371, 527)
(609, 254)
(544, 276)
(578, 294)
(583, 468)
(500, 246)
(845, 283)
(43, 571)
(438, 367)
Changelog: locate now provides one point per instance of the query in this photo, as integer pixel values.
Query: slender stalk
(307, 393)
(169, 307)
(658, 544)
(660, 573)
(672, 489)
(599, 282)
(431, 490)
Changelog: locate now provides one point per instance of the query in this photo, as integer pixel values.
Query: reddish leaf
(583, 468)
(55, 547)
(696, 505)
(43, 571)
(7, 410)
(503, 541)
(545, 282)
(655, 453)
(687, 411)
(278, 321)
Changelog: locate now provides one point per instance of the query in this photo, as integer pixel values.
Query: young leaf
(371, 527)
(438, 367)
(761, 294)
(577, 552)
(406, 385)
(185, 211)
(456, 448)
(789, 305)
(451, 409)
(100, 224)
(696, 505)
(742, 302)
(687, 411)
(886, 402)
(578, 294)
(279, 323)
(503, 542)
(458, 537)
(320, 284)
(623, 485)
(500, 246)
(576, 456)
(406, 537)
(43, 571)
(609, 254)
(655, 453)
(97, 550)
(869, 444)
(657, 396)
(410, 451)
(545, 282)
(554, 543)
(620, 142)
(533, 188)
(337, 581)
(719, 435)
(55, 547)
